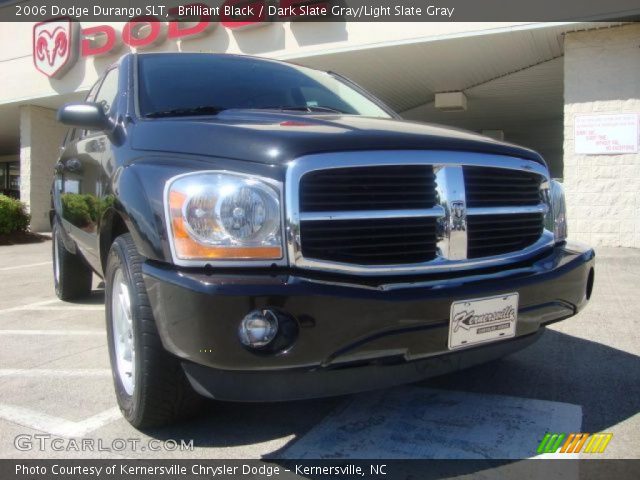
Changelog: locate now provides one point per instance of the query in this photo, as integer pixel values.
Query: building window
(10, 179)
(14, 176)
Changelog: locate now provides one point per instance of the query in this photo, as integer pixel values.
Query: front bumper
(352, 337)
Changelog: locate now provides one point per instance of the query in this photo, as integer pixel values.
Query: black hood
(274, 138)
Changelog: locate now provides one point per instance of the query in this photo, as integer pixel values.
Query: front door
(81, 177)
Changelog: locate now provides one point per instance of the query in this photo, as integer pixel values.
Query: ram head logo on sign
(55, 47)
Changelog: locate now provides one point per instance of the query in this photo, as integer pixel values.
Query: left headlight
(224, 216)
(556, 218)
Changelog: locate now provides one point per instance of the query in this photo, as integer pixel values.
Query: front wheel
(151, 387)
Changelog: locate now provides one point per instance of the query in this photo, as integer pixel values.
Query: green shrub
(83, 210)
(93, 206)
(13, 216)
(76, 210)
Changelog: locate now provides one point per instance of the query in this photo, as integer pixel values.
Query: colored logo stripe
(598, 442)
(574, 443)
(595, 443)
(551, 443)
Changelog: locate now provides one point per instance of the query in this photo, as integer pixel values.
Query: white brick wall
(40, 139)
(602, 75)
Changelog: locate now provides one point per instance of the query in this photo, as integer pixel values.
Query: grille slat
(505, 236)
(475, 181)
(498, 187)
(379, 194)
(505, 203)
(380, 205)
(497, 193)
(349, 226)
(364, 244)
(499, 234)
(385, 173)
(492, 220)
(500, 183)
(345, 238)
(488, 232)
(368, 188)
(387, 184)
(368, 242)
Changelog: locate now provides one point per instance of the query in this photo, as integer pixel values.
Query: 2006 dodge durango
(269, 232)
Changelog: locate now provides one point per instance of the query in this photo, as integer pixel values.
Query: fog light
(258, 328)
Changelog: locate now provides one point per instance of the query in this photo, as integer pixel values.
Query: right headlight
(556, 218)
(224, 216)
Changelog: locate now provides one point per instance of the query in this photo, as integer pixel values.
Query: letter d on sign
(98, 40)
(142, 32)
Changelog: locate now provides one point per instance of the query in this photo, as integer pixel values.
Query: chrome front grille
(388, 212)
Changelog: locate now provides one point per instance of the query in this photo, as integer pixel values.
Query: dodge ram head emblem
(457, 209)
(54, 46)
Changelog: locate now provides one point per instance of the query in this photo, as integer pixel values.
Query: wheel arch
(131, 209)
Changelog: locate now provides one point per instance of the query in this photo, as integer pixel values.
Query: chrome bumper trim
(371, 214)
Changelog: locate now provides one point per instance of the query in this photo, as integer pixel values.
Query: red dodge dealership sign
(56, 45)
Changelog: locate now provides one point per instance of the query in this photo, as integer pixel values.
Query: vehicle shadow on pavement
(604, 381)
(96, 297)
(224, 424)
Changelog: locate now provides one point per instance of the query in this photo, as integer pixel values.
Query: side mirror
(85, 115)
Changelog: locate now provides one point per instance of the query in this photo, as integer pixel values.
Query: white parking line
(414, 422)
(56, 425)
(52, 332)
(19, 267)
(31, 305)
(49, 372)
(78, 308)
(52, 305)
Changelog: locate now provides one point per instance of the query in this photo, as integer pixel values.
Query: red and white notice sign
(606, 134)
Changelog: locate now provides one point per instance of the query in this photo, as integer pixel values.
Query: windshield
(206, 84)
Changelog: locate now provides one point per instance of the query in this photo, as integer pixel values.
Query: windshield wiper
(184, 112)
(305, 108)
(213, 110)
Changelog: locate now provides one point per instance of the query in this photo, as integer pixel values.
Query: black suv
(268, 232)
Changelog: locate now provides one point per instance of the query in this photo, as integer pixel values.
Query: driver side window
(108, 91)
(78, 133)
(103, 92)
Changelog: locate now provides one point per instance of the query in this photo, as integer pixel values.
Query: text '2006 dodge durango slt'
(272, 232)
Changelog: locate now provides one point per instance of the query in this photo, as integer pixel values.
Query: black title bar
(246, 12)
(316, 469)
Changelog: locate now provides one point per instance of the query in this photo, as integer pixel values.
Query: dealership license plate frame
(467, 327)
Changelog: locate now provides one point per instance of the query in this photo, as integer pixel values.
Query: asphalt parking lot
(583, 375)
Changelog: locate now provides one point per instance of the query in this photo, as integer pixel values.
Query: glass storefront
(10, 179)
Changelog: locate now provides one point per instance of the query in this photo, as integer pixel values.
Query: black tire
(72, 277)
(161, 393)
